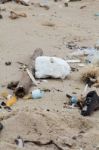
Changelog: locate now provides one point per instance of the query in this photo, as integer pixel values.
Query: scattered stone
(74, 138)
(74, 93)
(1, 126)
(48, 110)
(71, 45)
(66, 4)
(46, 90)
(48, 24)
(73, 69)
(12, 85)
(82, 131)
(83, 7)
(80, 136)
(44, 6)
(1, 17)
(8, 63)
(58, 90)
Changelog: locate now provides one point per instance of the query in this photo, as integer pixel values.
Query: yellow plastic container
(11, 101)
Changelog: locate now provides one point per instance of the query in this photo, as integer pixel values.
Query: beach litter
(37, 94)
(90, 104)
(11, 100)
(52, 67)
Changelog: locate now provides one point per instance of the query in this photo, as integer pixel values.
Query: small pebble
(1, 17)
(74, 93)
(8, 63)
(74, 137)
(82, 7)
(66, 4)
(1, 126)
(82, 131)
(47, 110)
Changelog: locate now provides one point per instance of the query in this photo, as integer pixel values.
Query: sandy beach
(46, 119)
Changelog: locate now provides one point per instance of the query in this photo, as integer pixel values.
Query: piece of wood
(25, 82)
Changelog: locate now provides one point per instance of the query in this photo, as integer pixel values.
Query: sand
(31, 119)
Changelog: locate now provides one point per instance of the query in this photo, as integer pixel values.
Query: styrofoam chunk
(51, 67)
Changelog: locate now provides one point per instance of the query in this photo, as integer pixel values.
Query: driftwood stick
(25, 82)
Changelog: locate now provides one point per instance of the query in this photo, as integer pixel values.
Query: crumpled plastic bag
(51, 67)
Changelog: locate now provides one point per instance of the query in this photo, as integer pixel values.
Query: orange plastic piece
(11, 101)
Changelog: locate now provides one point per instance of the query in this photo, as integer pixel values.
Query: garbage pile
(45, 67)
(87, 63)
